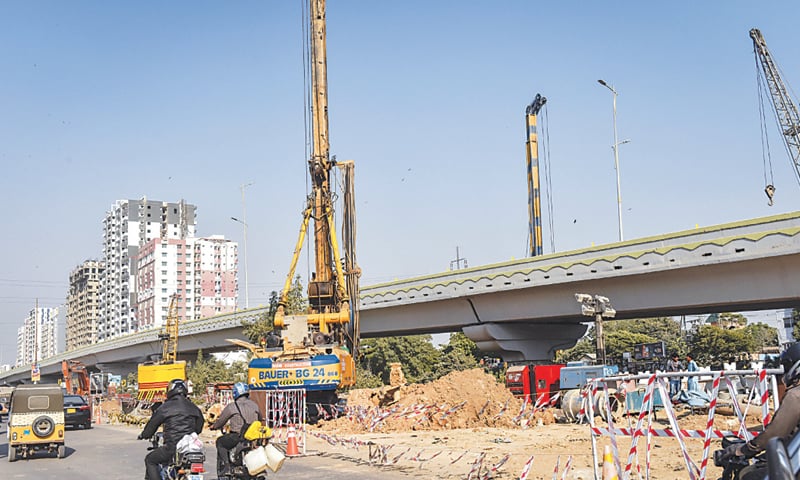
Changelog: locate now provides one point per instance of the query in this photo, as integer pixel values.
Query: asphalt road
(112, 452)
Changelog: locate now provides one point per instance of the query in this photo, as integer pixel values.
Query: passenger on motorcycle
(239, 412)
(180, 417)
(785, 422)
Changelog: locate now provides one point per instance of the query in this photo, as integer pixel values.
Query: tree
(296, 302)
(714, 345)
(415, 353)
(460, 353)
(257, 329)
(207, 370)
(763, 336)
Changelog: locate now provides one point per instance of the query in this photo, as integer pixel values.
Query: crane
(328, 293)
(316, 349)
(785, 110)
(534, 198)
(169, 332)
(154, 377)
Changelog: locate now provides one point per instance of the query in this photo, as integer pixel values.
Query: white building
(126, 227)
(39, 336)
(200, 271)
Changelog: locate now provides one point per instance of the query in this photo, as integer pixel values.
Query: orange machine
(76, 378)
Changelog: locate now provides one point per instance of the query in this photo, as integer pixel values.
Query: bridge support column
(517, 342)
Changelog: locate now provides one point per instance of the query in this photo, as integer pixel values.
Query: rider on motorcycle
(239, 412)
(785, 422)
(180, 417)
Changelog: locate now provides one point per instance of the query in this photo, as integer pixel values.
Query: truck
(536, 383)
(316, 349)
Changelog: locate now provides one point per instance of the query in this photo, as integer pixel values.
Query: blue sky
(102, 101)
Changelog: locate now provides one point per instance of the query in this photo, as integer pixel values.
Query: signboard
(649, 351)
(35, 375)
(322, 372)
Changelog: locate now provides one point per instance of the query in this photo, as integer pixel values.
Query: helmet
(790, 360)
(240, 389)
(177, 387)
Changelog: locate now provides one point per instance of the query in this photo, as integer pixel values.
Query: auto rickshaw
(36, 421)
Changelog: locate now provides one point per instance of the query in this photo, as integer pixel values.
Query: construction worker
(241, 413)
(180, 417)
(785, 422)
(674, 365)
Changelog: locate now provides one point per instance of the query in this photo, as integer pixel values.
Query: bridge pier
(516, 342)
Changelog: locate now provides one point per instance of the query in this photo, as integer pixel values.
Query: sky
(101, 101)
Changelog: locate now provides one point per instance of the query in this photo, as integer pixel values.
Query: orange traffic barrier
(291, 443)
(609, 468)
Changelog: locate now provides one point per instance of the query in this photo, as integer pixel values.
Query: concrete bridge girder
(525, 341)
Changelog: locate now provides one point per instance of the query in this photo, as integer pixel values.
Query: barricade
(285, 409)
(644, 421)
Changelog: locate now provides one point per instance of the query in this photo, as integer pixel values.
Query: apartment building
(38, 337)
(201, 272)
(83, 304)
(128, 226)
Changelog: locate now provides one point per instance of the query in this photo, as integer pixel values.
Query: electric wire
(548, 179)
(766, 155)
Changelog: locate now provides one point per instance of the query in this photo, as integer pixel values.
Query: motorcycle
(732, 466)
(187, 464)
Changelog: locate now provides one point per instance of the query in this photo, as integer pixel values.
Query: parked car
(77, 412)
(5, 400)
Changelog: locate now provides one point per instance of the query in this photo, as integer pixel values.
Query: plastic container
(275, 457)
(256, 460)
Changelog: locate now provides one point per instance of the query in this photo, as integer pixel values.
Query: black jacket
(179, 416)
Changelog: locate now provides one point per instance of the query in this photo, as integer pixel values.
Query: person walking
(691, 381)
(674, 365)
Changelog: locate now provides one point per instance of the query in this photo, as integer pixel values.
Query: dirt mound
(465, 399)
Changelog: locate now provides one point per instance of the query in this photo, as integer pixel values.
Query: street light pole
(615, 147)
(243, 221)
(599, 307)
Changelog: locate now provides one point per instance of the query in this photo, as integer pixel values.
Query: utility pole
(244, 224)
(458, 263)
(615, 147)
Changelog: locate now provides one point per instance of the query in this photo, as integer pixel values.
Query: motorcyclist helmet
(240, 389)
(177, 387)
(790, 360)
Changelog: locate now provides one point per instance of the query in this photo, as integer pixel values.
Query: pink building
(201, 271)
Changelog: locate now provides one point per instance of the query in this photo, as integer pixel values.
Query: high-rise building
(38, 337)
(126, 227)
(83, 304)
(201, 272)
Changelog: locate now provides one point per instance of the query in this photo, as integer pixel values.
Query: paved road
(112, 452)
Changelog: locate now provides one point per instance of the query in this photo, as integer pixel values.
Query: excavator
(154, 377)
(315, 350)
(76, 378)
(786, 112)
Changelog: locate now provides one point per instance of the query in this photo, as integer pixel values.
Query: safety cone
(609, 467)
(291, 443)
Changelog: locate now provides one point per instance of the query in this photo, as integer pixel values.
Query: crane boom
(330, 293)
(785, 109)
(534, 196)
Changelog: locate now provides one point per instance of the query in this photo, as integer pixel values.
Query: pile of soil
(465, 399)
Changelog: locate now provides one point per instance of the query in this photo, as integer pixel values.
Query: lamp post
(598, 307)
(243, 221)
(615, 147)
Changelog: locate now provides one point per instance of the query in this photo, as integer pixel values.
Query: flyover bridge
(526, 309)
